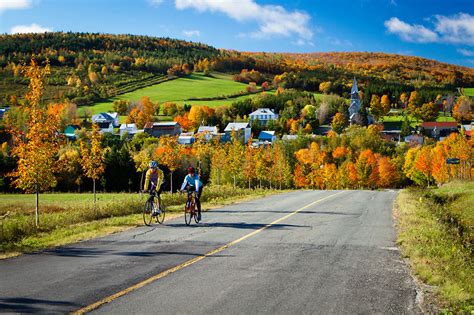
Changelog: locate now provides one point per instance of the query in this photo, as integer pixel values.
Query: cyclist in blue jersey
(192, 182)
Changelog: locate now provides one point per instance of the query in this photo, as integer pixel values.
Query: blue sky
(436, 29)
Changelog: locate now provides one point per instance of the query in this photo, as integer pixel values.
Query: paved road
(336, 254)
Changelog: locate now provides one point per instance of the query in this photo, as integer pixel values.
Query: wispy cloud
(15, 4)
(155, 2)
(192, 33)
(465, 52)
(33, 28)
(455, 29)
(272, 20)
(410, 33)
(340, 42)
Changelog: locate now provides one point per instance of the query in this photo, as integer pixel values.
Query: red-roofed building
(439, 129)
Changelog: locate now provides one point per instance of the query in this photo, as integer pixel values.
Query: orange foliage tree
(36, 144)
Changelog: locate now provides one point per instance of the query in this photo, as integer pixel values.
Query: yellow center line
(143, 283)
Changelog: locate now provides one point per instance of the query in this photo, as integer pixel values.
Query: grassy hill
(182, 90)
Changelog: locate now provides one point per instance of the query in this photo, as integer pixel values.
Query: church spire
(354, 90)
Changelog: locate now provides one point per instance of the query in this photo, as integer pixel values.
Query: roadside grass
(68, 220)
(435, 229)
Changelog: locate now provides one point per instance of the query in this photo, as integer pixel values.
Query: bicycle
(190, 210)
(154, 202)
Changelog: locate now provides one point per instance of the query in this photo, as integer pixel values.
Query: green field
(194, 86)
(469, 91)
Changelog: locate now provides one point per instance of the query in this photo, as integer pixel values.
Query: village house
(208, 132)
(106, 118)
(439, 129)
(71, 131)
(3, 111)
(262, 116)
(130, 129)
(242, 130)
(267, 137)
(186, 138)
(158, 129)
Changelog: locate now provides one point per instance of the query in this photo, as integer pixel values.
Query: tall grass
(435, 232)
(65, 212)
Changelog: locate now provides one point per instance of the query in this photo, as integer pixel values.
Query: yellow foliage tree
(37, 143)
(92, 159)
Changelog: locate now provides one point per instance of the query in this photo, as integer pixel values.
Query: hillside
(88, 68)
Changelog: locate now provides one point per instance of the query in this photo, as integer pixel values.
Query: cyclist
(192, 182)
(154, 177)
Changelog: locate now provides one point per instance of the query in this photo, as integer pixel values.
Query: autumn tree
(404, 100)
(92, 159)
(339, 122)
(121, 106)
(463, 109)
(428, 112)
(36, 143)
(388, 173)
(325, 87)
(249, 168)
(169, 154)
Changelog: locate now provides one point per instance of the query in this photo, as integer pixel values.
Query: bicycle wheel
(147, 212)
(187, 213)
(161, 217)
(195, 212)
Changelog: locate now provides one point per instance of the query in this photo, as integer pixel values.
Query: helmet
(191, 170)
(153, 164)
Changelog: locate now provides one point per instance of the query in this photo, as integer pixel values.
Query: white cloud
(456, 29)
(410, 33)
(465, 52)
(273, 20)
(14, 4)
(192, 33)
(33, 28)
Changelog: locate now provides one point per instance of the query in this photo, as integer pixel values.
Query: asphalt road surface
(315, 252)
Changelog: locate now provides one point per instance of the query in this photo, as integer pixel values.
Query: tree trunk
(234, 182)
(141, 181)
(249, 183)
(37, 207)
(93, 189)
(171, 184)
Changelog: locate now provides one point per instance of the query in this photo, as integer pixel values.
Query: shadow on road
(94, 252)
(27, 305)
(240, 225)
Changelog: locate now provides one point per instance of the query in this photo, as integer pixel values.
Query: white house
(106, 127)
(263, 116)
(243, 131)
(186, 138)
(106, 118)
(128, 128)
(209, 132)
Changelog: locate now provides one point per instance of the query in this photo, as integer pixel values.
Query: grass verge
(72, 224)
(435, 229)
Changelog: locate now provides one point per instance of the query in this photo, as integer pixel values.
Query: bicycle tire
(147, 212)
(187, 214)
(161, 217)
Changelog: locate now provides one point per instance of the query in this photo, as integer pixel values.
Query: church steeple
(355, 90)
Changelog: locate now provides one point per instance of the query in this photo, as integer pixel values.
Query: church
(355, 114)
